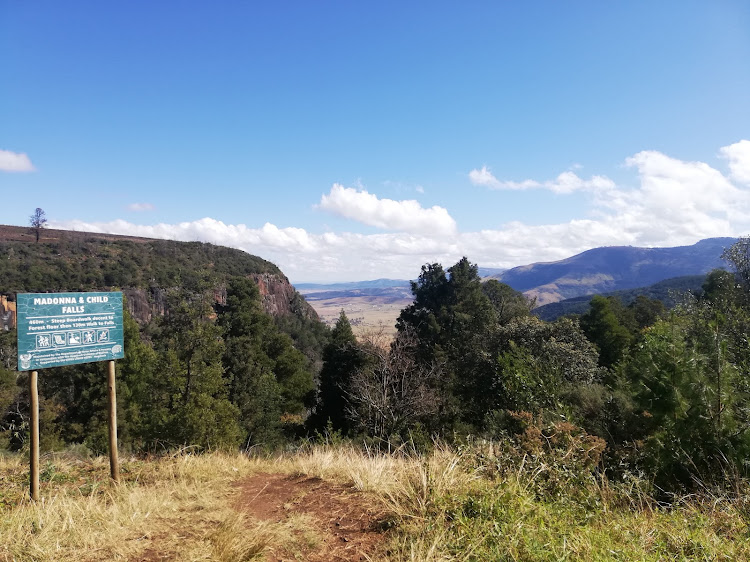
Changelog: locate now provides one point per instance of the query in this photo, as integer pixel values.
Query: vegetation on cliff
(206, 364)
(664, 395)
(77, 261)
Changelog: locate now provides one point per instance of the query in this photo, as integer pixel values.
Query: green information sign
(57, 329)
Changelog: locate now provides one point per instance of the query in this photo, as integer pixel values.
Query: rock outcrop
(145, 269)
(278, 297)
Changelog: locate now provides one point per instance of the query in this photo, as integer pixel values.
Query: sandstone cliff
(278, 297)
(144, 269)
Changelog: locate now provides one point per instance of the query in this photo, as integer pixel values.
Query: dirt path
(344, 521)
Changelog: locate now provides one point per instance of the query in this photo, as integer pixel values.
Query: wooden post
(114, 469)
(34, 450)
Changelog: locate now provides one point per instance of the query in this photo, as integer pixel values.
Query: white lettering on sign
(58, 300)
(72, 309)
(97, 299)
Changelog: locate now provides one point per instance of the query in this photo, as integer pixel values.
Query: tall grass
(481, 502)
(181, 501)
(496, 502)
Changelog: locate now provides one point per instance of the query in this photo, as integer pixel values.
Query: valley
(560, 287)
(367, 308)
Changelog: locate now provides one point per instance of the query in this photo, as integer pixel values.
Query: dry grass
(442, 507)
(182, 503)
(446, 507)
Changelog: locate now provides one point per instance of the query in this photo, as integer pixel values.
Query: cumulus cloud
(406, 216)
(738, 155)
(484, 177)
(140, 207)
(305, 256)
(678, 199)
(674, 202)
(566, 182)
(15, 162)
(300, 254)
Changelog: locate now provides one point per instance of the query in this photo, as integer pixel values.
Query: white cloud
(678, 200)
(406, 216)
(484, 177)
(738, 155)
(566, 182)
(398, 186)
(304, 256)
(139, 207)
(675, 202)
(15, 162)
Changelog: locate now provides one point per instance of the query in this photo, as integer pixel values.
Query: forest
(637, 388)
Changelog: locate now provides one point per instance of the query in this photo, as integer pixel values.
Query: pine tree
(269, 380)
(453, 320)
(198, 411)
(603, 328)
(342, 358)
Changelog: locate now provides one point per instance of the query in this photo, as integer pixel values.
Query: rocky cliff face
(146, 269)
(278, 297)
(144, 304)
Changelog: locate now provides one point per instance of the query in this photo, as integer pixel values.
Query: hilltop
(665, 291)
(607, 269)
(144, 268)
(622, 270)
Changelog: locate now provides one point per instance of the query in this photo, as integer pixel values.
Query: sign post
(56, 329)
(34, 450)
(114, 465)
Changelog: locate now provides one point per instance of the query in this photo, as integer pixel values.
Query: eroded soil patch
(345, 521)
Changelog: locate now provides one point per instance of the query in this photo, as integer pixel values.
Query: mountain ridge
(612, 268)
(143, 268)
(667, 291)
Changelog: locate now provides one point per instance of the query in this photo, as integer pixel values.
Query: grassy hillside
(75, 261)
(481, 503)
(178, 294)
(614, 268)
(664, 291)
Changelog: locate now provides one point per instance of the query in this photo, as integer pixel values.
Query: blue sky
(352, 140)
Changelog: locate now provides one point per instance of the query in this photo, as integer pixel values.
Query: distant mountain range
(666, 291)
(624, 271)
(490, 271)
(353, 286)
(607, 269)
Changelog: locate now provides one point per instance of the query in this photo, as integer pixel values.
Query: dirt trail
(344, 520)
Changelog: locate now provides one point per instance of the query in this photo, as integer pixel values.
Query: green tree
(721, 289)
(506, 301)
(428, 315)
(342, 358)
(603, 328)
(666, 387)
(452, 320)
(140, 411)
(194, 394)
(539, 362)
(645, 312)
(269, 380)
(738, 256)
(691, 396)
(9, 402)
